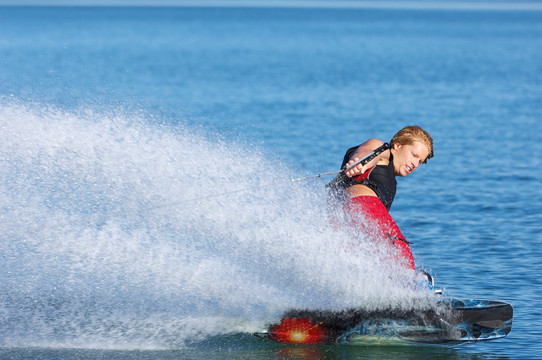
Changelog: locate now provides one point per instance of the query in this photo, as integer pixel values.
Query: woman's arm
(364, 149)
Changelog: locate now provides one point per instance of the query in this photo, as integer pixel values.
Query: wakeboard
(452, 322)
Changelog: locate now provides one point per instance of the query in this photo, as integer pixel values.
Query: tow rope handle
(379, 150)
(363, 161)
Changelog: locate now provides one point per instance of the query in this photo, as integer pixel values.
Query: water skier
(370, 188)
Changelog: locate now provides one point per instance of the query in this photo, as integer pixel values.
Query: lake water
(146, 154)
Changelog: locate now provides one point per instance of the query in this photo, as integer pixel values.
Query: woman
(370, 188)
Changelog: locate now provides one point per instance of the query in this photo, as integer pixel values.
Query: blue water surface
(297, 87)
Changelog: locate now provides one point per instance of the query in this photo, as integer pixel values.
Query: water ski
(452, 322)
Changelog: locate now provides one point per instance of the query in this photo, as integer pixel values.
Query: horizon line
(341, 4)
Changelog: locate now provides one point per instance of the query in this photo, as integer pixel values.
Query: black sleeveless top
(380, 179)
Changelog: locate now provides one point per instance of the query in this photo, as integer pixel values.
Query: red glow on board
(299, 331)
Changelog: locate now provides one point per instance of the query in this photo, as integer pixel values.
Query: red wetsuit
(373, 209)
(380, 179)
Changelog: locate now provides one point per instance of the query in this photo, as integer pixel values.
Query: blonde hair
(410, 134)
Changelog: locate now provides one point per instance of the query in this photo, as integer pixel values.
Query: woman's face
(407, 158)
